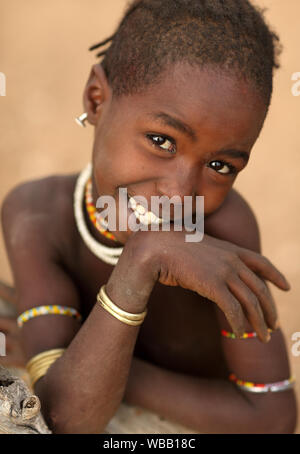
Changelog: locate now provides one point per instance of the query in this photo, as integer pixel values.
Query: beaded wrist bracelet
(262, 387)
(245, 335)
(45, 310)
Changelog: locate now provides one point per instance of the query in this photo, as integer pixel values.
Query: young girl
(187, 330)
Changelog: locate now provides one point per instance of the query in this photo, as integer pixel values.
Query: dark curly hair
(229, 34)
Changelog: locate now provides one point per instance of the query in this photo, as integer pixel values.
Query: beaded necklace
(109, 255)
(98, 221)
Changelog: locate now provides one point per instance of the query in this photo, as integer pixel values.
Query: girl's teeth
(148, 218)
(141, 214)
(132, 203)
(153, 219)
(140, 209)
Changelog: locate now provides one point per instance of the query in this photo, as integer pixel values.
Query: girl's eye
(163, 142)
(223, 167)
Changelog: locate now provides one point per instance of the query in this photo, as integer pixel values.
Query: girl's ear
(96, 92)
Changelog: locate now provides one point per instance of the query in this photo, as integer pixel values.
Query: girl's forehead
(208, 96)
(192, 86)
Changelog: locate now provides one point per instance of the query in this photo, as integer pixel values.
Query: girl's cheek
(213, 198)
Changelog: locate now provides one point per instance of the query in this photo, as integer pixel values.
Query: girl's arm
(82, 389)
(218, 406)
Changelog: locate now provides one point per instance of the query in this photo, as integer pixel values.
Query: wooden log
(20, 413)
(20, 409)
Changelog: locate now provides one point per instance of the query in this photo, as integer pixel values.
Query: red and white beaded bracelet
(262, 387)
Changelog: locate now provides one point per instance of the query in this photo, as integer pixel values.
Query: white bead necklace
(109, 255)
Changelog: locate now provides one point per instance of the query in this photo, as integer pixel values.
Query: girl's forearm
(83, 389)
(211, 406)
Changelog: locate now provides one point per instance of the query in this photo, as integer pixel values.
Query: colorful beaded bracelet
(262, 387)
(245, 335)
(45, 310)
(93, 214)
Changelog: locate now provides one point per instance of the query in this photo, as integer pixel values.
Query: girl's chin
(122, 237)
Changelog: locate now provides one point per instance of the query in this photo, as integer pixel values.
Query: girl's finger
(251, 306)
(262, 292)
(232, 310)
(262, 266)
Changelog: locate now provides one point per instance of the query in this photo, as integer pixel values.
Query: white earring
(82, 119)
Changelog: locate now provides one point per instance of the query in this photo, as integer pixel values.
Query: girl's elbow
(280, 415)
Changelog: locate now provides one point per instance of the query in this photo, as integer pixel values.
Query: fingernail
(288, 285)
(268, 337)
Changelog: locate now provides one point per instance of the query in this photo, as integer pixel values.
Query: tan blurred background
(45, 59)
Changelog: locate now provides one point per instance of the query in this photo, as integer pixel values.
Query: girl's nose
(178, 186)
(184, 181)
(172, 189)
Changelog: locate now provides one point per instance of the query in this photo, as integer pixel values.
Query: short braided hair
(153, 34)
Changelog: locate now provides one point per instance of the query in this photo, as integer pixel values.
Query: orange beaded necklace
(93, 215)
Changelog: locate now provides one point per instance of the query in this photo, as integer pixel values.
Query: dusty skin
(40, 137)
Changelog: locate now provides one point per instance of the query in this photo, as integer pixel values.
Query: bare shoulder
(38, 229)
(36, 222)
(235, 221)
(38, 208)
(42, 196)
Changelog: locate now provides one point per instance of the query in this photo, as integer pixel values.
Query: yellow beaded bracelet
(45, 310)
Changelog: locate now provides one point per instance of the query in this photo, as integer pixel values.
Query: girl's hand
(229, 275)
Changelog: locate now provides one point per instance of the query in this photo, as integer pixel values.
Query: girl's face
(189, 134)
